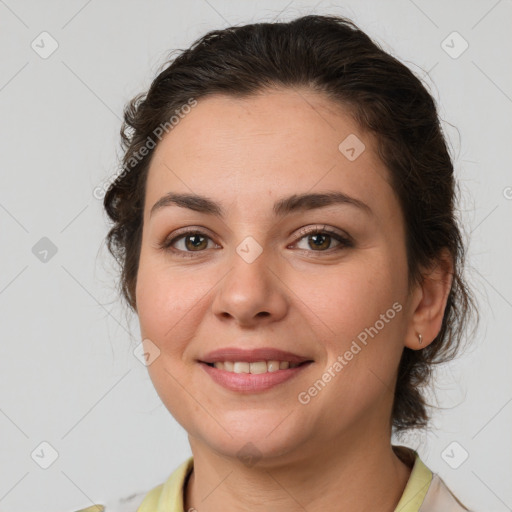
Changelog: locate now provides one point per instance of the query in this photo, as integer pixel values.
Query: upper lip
(252, 355)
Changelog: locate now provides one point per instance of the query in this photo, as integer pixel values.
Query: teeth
(241, 367)
(258, 367)
(255, 368)
(272, 366)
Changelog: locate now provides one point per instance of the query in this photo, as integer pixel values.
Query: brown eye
(191, 241)
(195, 242)
(321, 240)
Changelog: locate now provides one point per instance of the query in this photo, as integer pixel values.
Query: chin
(261, 443)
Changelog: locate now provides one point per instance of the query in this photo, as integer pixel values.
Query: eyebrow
(282, 207)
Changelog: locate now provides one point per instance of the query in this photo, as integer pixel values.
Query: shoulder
(425, 490)
(129, 503)
(168, 493)
(440, 497)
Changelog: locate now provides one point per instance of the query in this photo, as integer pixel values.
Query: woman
(286, 231)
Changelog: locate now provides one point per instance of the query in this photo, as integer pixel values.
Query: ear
(429, 302)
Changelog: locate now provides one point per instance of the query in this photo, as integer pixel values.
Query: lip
(252, 355)
(252, 383)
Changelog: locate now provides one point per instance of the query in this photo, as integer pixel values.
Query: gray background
(68, 374)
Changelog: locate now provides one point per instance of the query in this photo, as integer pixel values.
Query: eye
(320, 239)
(194, 240)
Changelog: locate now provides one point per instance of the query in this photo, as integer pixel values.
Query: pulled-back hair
(327, 54)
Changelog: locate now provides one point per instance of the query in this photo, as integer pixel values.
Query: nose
(251, 293)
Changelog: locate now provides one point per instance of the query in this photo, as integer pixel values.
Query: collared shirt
(425, 491)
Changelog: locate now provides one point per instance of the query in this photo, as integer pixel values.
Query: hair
(330, 55)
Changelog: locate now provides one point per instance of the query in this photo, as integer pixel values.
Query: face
(327, 282)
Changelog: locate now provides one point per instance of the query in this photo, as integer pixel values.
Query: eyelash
(345, 242)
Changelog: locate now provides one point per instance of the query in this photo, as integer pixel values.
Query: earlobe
(430, 301)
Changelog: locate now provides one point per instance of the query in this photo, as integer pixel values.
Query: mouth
(255, 367)
(243, 356)
(252, 370)
(253, 377)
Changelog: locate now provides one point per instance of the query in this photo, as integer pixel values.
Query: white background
(68, 373)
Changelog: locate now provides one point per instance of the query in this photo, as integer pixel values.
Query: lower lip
(249, 382)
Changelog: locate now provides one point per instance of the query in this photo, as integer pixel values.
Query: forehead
(274, 143)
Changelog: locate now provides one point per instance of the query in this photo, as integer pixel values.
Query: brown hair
(331, 55)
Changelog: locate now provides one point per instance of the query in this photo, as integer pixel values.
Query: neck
(354, 476)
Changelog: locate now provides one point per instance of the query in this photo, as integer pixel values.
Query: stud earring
(420, 338)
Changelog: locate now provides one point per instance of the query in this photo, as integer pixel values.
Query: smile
(245, 377)
(255, 367)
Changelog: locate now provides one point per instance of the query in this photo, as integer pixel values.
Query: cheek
(151, 302)
(167, 303)
(362, 312)
(352, 296)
